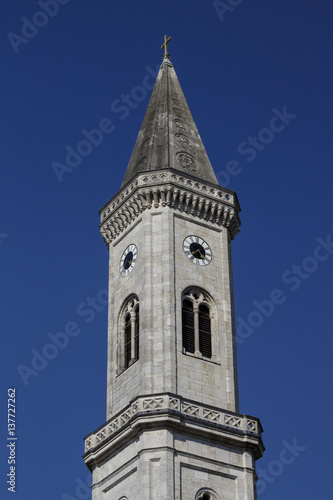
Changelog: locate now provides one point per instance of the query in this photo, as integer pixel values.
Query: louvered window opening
(188, 326)
(205, 335)
(188, 329)
(128, 340)
(137, 322)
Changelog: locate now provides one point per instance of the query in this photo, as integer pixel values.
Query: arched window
(196, 323)
(206, 494)
(130, 328)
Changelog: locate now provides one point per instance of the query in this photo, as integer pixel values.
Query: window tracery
(129, 332)
(197, 323)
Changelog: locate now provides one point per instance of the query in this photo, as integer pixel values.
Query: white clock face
(128, 259)
(197, 250)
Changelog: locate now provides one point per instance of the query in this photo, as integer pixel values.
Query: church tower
(173, 429)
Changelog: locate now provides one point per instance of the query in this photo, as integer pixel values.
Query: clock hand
(197, 250)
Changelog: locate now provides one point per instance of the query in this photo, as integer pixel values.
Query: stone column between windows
(196, 329)
(133, 318)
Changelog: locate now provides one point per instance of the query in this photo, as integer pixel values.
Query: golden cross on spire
(165, 44)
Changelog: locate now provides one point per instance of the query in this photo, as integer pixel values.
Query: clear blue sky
(238, 70)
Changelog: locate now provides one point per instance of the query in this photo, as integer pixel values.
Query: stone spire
(168, 137)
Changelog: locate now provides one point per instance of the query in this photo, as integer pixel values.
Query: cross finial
(165, 44)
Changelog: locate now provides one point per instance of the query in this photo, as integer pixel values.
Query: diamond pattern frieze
(153, 404)
(211, 415)
(101, 435)
(252, 425)
(174, 403)
(113, 426)
(88, 444)
(233, 421)
(135, 408)
(124, 417)
(190, 409)
(179, 406)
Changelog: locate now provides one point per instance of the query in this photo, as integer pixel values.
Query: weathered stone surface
(168, 137)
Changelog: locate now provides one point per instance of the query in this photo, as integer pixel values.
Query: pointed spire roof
(168, 137)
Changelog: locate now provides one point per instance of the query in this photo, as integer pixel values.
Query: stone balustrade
(166, 403)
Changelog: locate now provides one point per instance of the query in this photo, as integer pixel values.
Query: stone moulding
(153, 407)
(178, 192)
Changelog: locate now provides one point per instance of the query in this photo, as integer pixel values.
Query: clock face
(197, 250)
(128, 259)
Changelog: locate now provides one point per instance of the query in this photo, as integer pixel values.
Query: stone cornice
(211, 203)
(172, 410)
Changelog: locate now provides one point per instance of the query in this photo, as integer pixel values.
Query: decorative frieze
(186, 162)
(190, 409)
(165, 403)
(175, 191)
(177, 111)
(153, 403)
(183, 141)
(232, 420)
(180, 125)
(211, 415)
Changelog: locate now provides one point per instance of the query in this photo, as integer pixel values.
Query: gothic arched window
(196, 323)
(130, 326)
(206, 494)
